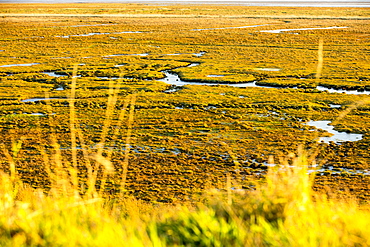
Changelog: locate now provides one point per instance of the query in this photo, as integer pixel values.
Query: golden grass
(176, 149)
(179, 10)
(281, 211)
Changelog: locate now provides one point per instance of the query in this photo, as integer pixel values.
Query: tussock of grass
(282, 211)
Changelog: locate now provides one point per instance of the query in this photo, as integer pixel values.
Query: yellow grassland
(177, 141)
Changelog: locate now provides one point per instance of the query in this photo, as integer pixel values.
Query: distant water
(286, 3)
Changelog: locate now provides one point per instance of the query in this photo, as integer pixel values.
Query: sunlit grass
(281, 211)
(124, 162)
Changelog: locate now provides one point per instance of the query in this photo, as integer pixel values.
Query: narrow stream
(173, 79)
(331, 90)
(118, 55)
(13, 65)
(92, 34)
(315, 169)
(298, 29)
(338, 137)
(53, 74)
(93, 25)
(41, 99)
(217, 28)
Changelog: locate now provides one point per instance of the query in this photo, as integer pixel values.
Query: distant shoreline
(267, 3)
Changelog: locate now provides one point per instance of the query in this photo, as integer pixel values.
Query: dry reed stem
(119, 123)
(99, 158)
(228, 189)
(57, 156)
(105, 162)
(349, 109)
(11, 163)
(44, 155)
(58, 173)
(112, 99)
(128, 139)
(115, 134)
(72, 115)
(91, 177)
(320, 59)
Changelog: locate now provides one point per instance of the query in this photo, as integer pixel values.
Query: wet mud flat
(215, 98)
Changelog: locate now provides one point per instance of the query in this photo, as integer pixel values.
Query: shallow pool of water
(53, 74)
(340, 170)
(313, 169)
(268, 69)
(298, 29)
(19, 64)
(331, 90)
(41, 99)
(217, 28)
(93, 25)
(92, 34)
(215, 75)
(35, 114)
(108, 78)
(174, 79)
(335, 106)
(118, 55)
(337, 136)
(61, 58)
(120, 65)
(193, 65)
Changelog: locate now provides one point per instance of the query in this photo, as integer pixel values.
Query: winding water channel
(299, 29)
(174, 79)
(217, 28)
(92, 34)
(18, 64)
(41, 99)
(337, 137)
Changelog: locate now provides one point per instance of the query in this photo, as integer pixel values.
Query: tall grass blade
(127, 144)
(320, 55)
(72, 115)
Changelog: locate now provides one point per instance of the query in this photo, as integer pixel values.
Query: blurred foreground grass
(281, 211)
